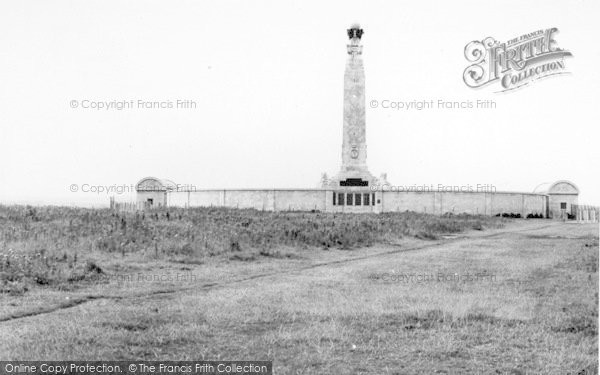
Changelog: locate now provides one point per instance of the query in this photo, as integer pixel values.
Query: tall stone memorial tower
(354, 171)
(354, 146)
(353, 182)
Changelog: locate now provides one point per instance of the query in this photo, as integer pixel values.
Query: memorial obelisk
(354, 171)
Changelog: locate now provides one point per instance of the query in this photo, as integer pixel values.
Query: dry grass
(537, 315)
(58, 245)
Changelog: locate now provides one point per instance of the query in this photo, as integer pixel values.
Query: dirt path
(327, 312)
(526, 227)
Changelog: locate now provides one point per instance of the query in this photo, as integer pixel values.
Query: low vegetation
(531, 309)
(49, 245)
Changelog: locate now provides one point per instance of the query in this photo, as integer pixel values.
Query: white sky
(268, 80)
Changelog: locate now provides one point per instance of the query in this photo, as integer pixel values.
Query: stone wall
(465, 202)
(388, 201)
(260, 199)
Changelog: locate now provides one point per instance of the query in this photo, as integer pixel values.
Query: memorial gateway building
(354, 189)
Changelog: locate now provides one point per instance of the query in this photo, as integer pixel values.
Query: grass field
(316, 293)
(58, 246)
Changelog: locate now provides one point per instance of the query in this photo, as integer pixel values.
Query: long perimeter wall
(385, 201)
(467, 202)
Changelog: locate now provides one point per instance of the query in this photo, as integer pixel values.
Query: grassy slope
(538, 314)
(59, 245)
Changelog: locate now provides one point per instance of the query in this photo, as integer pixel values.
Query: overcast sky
(267, 80)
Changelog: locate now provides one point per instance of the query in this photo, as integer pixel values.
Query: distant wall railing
(128, 206)
(585, 213)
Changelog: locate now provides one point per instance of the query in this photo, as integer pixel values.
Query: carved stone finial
(355, 32)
